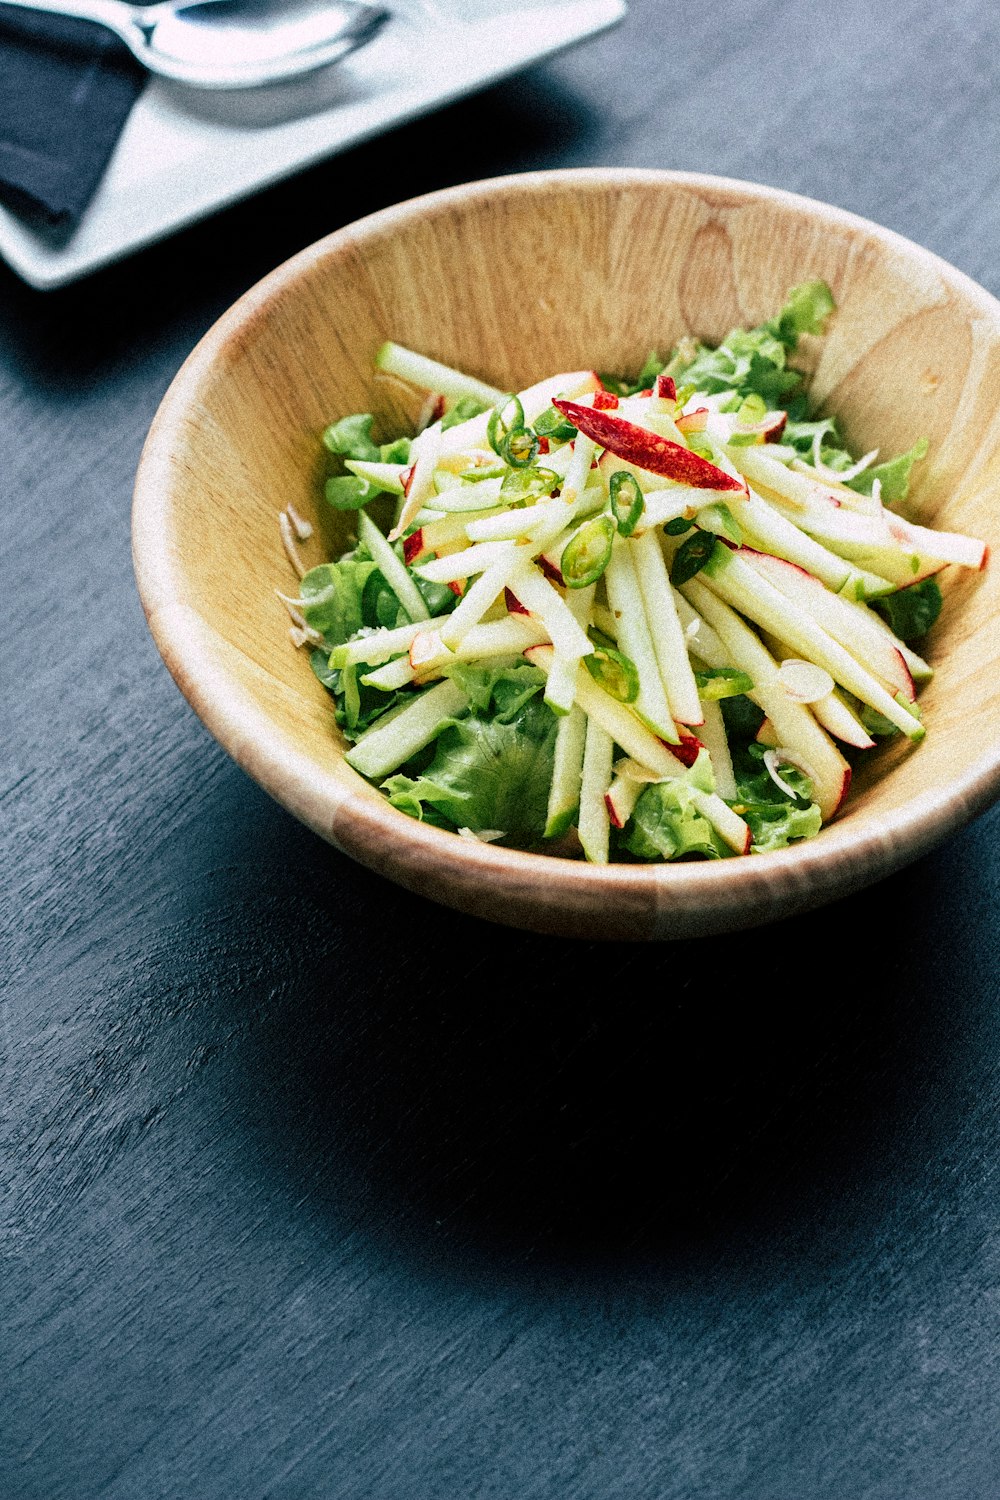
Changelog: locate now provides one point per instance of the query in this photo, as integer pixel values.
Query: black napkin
(66, 88)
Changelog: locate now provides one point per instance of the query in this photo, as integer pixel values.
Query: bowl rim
(349, 813)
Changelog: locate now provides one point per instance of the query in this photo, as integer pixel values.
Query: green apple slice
(727, 574)
(393, 571)
(431, 375)
(391, 742)
(567, 769)
(593, 822)
(794, 725)
(848, 622)
(712, 734)
(633, 635)
(387, 477)
(665, 631)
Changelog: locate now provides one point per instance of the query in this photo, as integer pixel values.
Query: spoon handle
(116, 15)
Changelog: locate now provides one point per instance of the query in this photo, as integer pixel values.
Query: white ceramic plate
(186, 152)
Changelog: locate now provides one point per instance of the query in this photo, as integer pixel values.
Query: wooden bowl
(511, 280)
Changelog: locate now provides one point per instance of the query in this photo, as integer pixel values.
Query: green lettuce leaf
(911, 611)
(487, 774)
(461, 412)
(776, 825)
(333, 595)
(501, 689)
(753, 361)
(356, 706)
(775, 819)
(667, 825)
(381, 606)
(894, 474)
(396, 452)
(349, 492)
(351, 437)
(806, 311)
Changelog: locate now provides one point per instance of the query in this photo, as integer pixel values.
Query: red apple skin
(845, 788)
(687, 751)
(407, 479)
(514, 605)
(552, 573)
(413, 546)
(666, 388)
(774, 564)
(772, 434)
(457, 587)
(419, 653)
(647, 449)
(609, 803)
(647, 392)
(605, 401)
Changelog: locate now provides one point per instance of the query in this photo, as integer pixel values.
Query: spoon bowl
(230, 44)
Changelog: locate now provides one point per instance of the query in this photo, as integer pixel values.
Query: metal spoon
(229, 44)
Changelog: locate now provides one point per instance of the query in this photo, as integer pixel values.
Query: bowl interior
(512, 281)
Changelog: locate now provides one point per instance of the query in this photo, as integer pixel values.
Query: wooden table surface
(312, 1189)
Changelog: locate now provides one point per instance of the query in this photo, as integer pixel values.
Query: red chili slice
(605, 401)
(647, 450)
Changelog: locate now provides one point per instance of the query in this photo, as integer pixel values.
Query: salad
(646, 619)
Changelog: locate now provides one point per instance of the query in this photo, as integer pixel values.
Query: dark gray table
(293, 1204)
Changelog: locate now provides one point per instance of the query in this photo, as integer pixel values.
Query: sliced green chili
(627, 501)
(552, 424)
(588, 552)
(722, 682)
(500, 425)
(528, 484)
(691, 556)
(519, 447)
(612, 670)
(677, 526)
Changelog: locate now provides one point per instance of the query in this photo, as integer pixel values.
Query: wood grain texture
(512, 280)
(291, 1207)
